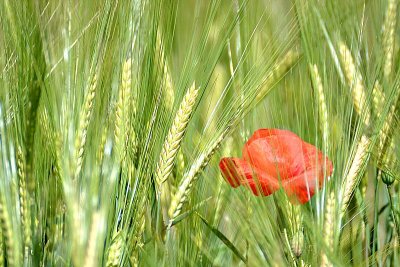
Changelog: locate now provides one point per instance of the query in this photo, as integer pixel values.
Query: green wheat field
(115, 114)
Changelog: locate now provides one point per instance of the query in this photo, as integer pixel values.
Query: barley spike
(355, 82)
(175, 135)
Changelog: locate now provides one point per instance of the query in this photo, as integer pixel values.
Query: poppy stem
(396, 225)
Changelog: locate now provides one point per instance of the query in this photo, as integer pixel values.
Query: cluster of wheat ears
(114, 115)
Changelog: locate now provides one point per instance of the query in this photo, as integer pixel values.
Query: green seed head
(387, 178)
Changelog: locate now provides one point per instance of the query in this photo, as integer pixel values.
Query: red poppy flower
(274, 158)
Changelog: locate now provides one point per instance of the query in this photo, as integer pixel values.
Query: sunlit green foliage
(89, 91)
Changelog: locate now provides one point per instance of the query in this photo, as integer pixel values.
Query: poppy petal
(235, 171)
(275, 154)
(274, 158)
(264, 133)
(262, 183)
(238, 172)
(314, 158)
(302, 187)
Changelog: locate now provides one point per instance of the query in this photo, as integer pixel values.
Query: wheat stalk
(185, 187)
(355, 82)
(122, 109)
(84, 120)
(353, 176)
(175, 135)
(388, 41)
(78, 233)
(24, 200)
(96, 229)
(328, 231)
(322, 109)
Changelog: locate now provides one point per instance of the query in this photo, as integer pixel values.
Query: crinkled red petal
(235, 171)
(277, 155)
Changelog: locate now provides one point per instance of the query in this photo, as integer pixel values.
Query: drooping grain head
(175, 135)
(355, 82)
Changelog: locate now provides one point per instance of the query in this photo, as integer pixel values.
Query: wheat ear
(280, 69)
(175, 135)
(388, 41)
(180, 162)
(103, 141)
(355, 82)
(136, 240)
(329, 223)
(46, 127)
(353, 176)
(115, 251)
(8, 234)
(168, 91)
(24, 200)
(227, 151)
(288, 245)
(1, 248)
(12, 249)
(387, 129)
(295, 223)
(58, 153)
(84, 119)
(378, 99)
(122, 109)
(322, 109)
(185, 187)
